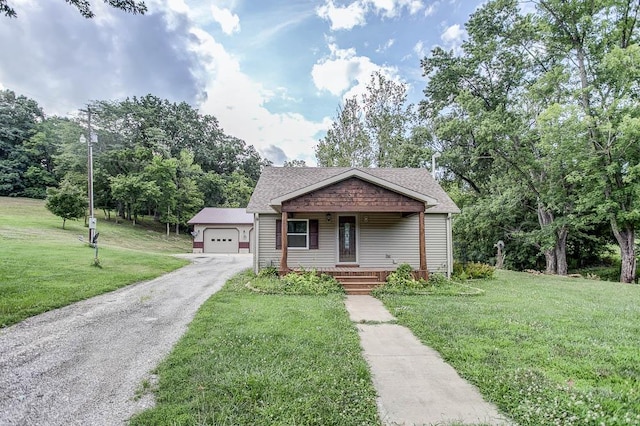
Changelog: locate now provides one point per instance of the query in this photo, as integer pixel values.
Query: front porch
(360, 281)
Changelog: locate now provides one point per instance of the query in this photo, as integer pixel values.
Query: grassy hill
(43, 267)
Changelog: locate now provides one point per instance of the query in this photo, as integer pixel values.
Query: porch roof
(279, 184)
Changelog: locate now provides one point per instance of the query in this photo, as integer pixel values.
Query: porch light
(328, 217)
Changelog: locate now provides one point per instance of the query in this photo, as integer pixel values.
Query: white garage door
(223, 240)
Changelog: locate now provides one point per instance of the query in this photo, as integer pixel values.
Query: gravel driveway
(82, 364)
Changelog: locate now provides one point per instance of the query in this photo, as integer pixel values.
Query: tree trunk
(545, 218)
(551, 261)
(63, 222)
(561, 251)
(626, 241)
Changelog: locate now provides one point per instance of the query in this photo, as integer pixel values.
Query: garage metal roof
(216, 215)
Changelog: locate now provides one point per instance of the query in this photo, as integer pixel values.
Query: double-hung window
(298, 233)
(301, 233)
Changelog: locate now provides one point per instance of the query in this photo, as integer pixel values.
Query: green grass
(546, 350)
(43, 267)
(257, 359)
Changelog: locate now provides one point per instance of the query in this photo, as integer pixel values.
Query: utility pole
(93, 138)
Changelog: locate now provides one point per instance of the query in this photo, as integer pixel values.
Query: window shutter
(313, 233)
(278, 234)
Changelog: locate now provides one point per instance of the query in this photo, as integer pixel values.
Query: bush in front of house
(402, 282)
(472, 270)
(311, 283)
(294, 283)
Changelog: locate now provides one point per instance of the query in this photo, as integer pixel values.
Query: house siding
(385, 240)
(322, 257)
(436, 237)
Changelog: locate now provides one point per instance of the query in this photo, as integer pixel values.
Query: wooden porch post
(423, 249)
(283, 239)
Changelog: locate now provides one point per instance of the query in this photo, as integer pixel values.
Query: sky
(273, 72)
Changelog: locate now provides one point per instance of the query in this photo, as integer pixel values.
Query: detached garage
(222, 230)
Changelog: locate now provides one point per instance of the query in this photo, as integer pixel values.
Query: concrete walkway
(415, 386)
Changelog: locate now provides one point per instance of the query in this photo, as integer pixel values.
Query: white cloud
(343, 18)
(385, 7)
(393, 8)
(386, 46)
(345, 74)
(453, 37)
(229, 22)
(419, 49)
(354, 14)
(414, 6)
(431, 9)
(238, 103)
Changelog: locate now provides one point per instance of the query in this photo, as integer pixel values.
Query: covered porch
(348, 206)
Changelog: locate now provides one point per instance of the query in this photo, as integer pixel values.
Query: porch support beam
(423, 249)
(283, 258)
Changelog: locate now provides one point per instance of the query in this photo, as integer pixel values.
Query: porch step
(360, 286)
(357, 278)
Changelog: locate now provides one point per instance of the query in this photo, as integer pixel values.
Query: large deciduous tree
(597, 43)
(19, 118)
(485, 113)
(372, 131)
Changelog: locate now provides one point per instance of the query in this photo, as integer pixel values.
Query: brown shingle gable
(276, 182)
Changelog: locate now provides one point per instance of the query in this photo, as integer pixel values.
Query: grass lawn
(546, 350)
(258, 359)
(43, 267)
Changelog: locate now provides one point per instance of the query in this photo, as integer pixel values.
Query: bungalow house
(355, 223)
(222, 230)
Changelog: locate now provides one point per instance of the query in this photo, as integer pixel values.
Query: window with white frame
(298, 233)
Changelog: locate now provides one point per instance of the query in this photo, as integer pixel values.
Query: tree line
(151, 157)
(537, 121)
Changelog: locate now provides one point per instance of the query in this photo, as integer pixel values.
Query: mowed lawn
(258, 359)
(546, 350)
(43, 267)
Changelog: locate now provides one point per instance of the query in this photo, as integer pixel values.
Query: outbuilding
(222, 230)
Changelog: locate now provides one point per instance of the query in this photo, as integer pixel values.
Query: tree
(67, 202)
(84, 7)
(501, 130)
(295, 163)
(346, 142)
(597, 44)
(371, 132)
(19, 118)
(387, 118)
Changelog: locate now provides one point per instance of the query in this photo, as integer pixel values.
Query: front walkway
(415, 386)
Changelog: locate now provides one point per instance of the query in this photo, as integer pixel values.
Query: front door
(347, 239)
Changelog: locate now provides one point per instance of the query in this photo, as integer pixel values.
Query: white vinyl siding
(388, 239)
(385, 240)
(322, 257)
(436, 237)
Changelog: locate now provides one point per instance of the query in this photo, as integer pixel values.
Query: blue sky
(272, 71)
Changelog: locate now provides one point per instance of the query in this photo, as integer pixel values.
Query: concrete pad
(367, 308)
(414, 384)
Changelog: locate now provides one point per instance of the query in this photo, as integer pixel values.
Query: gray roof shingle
(275, 182)
(216, 215)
